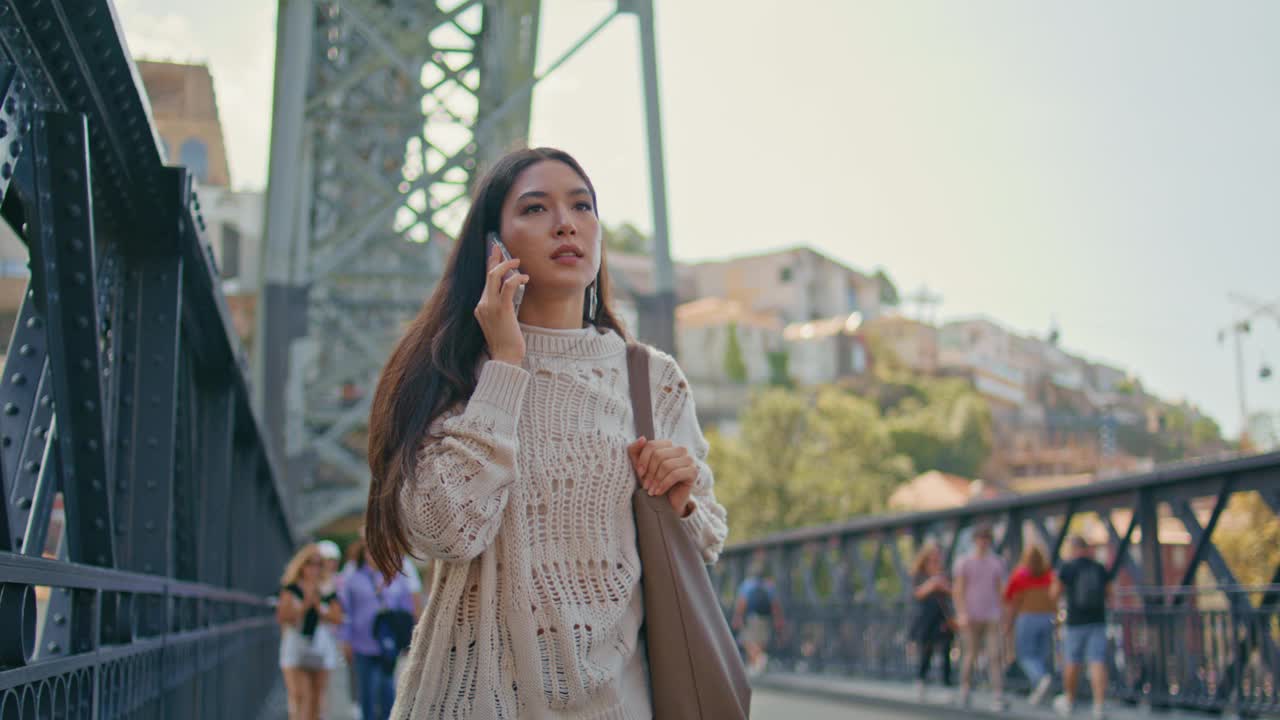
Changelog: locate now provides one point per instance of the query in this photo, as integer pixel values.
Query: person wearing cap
(979, 580)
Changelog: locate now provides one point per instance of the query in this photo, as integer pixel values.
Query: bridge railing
(1176, 640)
(141, 522)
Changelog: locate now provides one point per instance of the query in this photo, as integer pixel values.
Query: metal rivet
(26, 351)
(32, 466)
(6, 171)
(150, 525)
(59, 618)
(24, 503)
(90, 405)
(55, 648)
(152, 442)
(15, 148)
(10, 409)
(80, 278)
(99, 524)
(33, 322)
(18, 379)
(75, 210)
(83, 321)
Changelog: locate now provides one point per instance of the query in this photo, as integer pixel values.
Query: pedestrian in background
(308, 648)
(979, 579)
(369, 598)
(1033, 610)
(757, 616)
(932, 621)
(1084, 583)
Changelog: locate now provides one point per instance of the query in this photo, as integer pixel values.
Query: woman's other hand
(665, 468)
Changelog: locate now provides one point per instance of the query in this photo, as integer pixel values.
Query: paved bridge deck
(785, 696)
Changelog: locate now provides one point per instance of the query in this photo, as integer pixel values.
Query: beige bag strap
(641, 401)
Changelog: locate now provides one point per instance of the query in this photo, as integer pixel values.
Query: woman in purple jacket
(364, 595)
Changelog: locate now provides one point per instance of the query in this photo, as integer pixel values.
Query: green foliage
(626, 238)
(1205, 431)
(735, 367)
(1249, 538)
(948, 430)
(780, 369)
(888, 291)
(805, 460)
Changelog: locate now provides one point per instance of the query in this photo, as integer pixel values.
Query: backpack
(760, 600)
(1088, 591)
(392, 630)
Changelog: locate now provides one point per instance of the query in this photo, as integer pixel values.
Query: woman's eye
(533, 208)
(584, 206)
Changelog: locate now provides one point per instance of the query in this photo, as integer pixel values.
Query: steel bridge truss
(1185, 632)
(385, 111)
(141, 526)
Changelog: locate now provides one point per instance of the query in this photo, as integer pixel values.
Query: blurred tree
(735, 367)
(625, 238)
(888, 291)
(1249, 538)
(780, 368)
(804, 460)
(948, 430)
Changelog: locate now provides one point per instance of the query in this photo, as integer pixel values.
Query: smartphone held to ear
(495, 241)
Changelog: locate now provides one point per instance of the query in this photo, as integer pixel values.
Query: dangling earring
(591, 306)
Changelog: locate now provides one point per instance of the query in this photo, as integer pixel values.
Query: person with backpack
(1084, 584)
(757, 615)
(379, 623)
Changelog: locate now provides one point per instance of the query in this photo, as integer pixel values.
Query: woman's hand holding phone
(496, 311)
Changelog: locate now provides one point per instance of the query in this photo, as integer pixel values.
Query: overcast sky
(1115, 166)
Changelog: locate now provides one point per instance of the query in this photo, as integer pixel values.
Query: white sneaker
(963, 698)
(1041, 689)
(1062, 706)
(1000, 704)
(920, 691)
(1099, 713)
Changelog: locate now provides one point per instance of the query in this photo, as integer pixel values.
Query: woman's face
(934, 563)
(312, 568)
(549, 222)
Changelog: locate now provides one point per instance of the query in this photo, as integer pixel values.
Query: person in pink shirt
(979, 580)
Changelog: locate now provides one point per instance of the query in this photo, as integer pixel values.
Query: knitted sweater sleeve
(452, 506)
(675, 418)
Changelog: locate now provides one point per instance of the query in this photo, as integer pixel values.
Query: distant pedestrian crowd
(982, 602)
(345, 618)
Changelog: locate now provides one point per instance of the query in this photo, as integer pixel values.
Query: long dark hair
(433, 367)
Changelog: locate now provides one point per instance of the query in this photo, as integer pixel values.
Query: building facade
(797, 285)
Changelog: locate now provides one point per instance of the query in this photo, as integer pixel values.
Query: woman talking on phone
(502, 445)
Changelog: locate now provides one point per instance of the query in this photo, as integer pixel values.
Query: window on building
(195, 155)
(230, 251)
(785, 275)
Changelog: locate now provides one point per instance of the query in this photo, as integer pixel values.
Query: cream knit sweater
(523, 496)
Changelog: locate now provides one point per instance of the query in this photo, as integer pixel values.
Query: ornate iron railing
(142, 525)
(845, 589)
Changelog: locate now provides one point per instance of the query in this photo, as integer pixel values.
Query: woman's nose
(565, 229)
